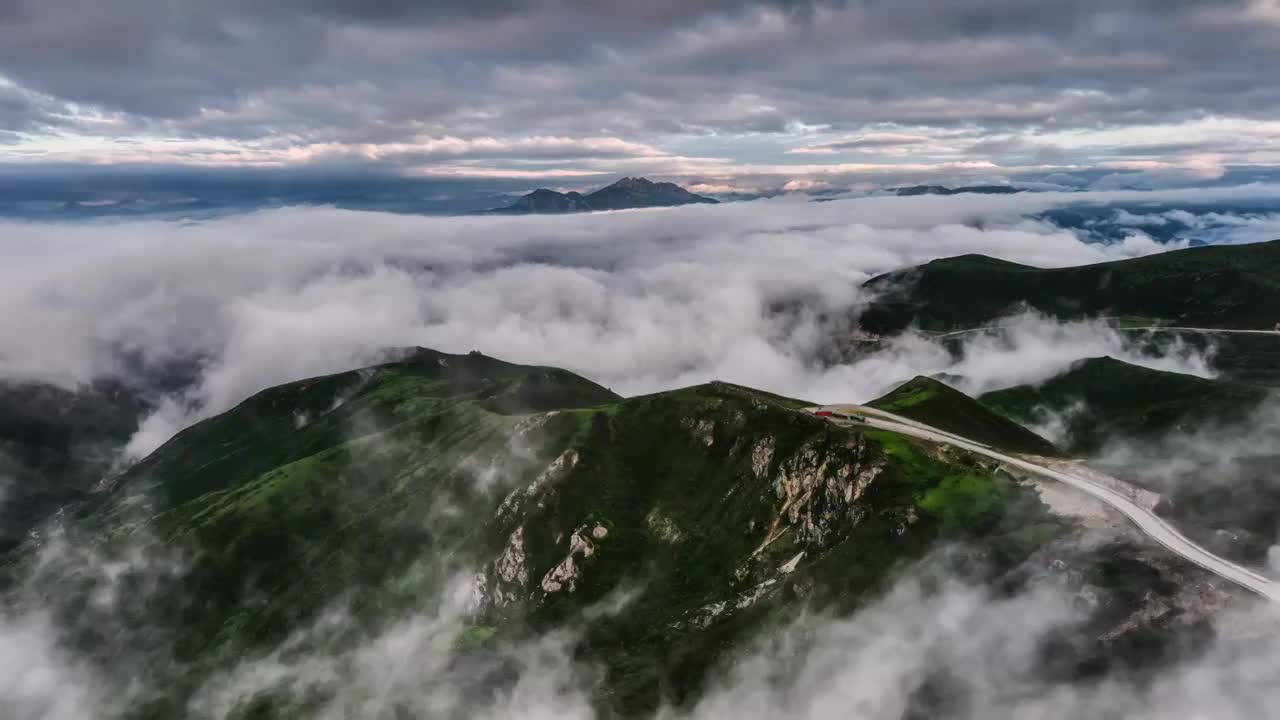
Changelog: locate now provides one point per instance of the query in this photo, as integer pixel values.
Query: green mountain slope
(298, 420)
(934, 403)
(1222, 286)
(1101, 399)
(719, 509)
(261, 552)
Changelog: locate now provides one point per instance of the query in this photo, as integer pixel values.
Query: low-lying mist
(763, 294)
(1220, 480)
(754, 293)
(929, 645)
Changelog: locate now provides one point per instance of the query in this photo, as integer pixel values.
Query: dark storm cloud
(376, 71)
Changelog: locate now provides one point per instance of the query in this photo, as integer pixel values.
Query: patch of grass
(965, 500)
(932, 402)
(475, 636)
(907, 396)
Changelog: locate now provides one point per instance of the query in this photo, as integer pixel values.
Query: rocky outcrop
(582, 545)
(537, 491)
(819, 498)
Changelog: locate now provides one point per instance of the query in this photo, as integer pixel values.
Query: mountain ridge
(625, 194)
(939, 405)
(555, 494)
(1155, 402)
(1215, 286)
(913, 190)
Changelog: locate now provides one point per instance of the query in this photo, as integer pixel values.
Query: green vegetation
(721, 510)
(1103, 399)
(936, 404)
(1221, 286)
(475, 636)
(959, 500)
(300, 419)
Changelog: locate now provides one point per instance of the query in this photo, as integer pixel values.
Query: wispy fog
(982, 651)
(754, 293)
(930, 645)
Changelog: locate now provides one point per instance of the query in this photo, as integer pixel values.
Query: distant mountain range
(943, 190)
(625, 194)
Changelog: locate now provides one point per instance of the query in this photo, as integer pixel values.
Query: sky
(719, 94)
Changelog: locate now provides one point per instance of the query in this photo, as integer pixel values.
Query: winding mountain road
(1148, 328)
(1147, 521)
(1204, 331)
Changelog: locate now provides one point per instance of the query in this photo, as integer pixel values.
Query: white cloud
(985, 650)
(873, 664)
(1031, 348)
(637, 300)
(38, 680)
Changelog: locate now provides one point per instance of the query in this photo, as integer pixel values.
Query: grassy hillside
(1236, 286)
(1101, 399)
(298, 420)
(934, 403)
(722, 510)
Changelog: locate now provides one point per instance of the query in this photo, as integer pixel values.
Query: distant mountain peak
(625, 194)
(638, 184)
(635, 182)
(966, 189)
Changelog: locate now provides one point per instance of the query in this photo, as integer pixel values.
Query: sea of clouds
(753, 293)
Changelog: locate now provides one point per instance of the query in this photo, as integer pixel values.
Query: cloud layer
(758, 293)
(764, 294)
(715, 88)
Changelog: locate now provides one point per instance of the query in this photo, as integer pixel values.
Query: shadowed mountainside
(1103, 399)
(56, 444)
(1220, 286)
